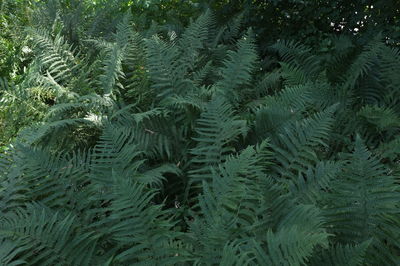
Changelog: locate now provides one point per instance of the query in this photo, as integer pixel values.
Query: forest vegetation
(201, 132)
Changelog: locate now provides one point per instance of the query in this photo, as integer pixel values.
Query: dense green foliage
(166, 133)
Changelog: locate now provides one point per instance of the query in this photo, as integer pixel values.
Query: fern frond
(55, 54)
(46, 237)
(290, 51)
(141, 229)
(228, 209)
(234, 255)
(309, 187)
(383, 118)
(233, 28)
(389, 66)
(194, 39)
(49, 178)
(112, 69)
(295, 149)
(166, 73)
(114, 152)
(294, 243)
(352, 255)
(363, 63)
(238, 67)
(9, 252)
(12, 189)
(46, 130)
(277, 111)
(299, 64)
(367, 191)
(216, 128)
(114, 55)
(293, 75)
